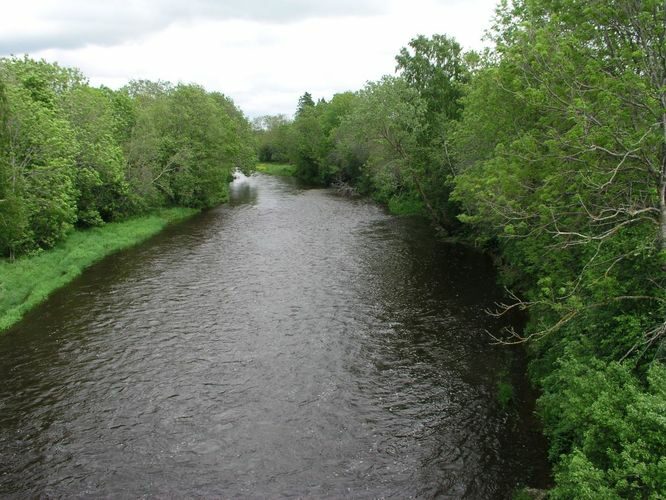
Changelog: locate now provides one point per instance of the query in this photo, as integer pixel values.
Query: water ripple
(291, 344)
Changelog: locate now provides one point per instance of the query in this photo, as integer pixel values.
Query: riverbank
(29, 280)
(276, 169)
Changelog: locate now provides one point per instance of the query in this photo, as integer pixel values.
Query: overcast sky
(262, 53)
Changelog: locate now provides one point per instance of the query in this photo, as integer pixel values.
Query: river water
(291, 343)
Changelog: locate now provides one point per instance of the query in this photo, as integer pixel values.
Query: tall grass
(276, 169)
(29, 280)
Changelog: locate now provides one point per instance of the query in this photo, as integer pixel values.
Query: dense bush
(75, 155)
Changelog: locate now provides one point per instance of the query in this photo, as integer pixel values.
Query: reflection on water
(291, 343)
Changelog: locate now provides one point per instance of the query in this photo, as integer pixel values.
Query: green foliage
(406, 204)
(505, 393)
(560, 151)
(606, 430)
(304, 102)
(386, 122)
(529, 494)
(240, 143)
(100, 170)
(273, 140)
(391, 139)
(308, 146)
(313, 140)
(436, 68)
(276, 169)
(40, 203)
(71, 154)
(186, 145)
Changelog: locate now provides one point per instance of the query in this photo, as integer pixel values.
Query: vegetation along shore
(548, 149)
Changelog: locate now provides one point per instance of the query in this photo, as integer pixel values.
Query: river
(290, 343)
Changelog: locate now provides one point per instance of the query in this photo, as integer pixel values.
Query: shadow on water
(290, 343)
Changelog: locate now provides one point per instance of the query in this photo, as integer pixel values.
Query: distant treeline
(72, 155)
(550, 150)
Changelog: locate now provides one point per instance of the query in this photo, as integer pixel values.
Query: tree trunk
(662, 179)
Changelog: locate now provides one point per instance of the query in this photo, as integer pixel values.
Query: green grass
(29, 280)
(529, 494)
(405, 205)
(505, 393)
(276, 169)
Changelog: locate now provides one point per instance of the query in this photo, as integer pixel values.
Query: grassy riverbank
(276, 169)
(29, 280)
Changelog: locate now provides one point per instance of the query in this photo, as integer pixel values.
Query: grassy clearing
(29, 280)
(276, 169)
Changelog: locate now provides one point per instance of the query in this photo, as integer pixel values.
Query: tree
(435, 67)
(304, 102)
(584, 170)
(100, 173)
(387, 119)
(74, 154)
(240, 140)
(272, 135)
(13, 217)
(341, 163)
(185, 145)
(40, 199)
(561, 146)
(308, 141)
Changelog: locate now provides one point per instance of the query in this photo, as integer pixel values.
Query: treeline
(550, 150)
(72, 155)
(391, 139)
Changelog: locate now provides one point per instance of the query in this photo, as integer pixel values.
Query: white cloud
(38, 24)
(263, 59)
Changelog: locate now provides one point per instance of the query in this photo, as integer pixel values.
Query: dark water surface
(292, 343)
